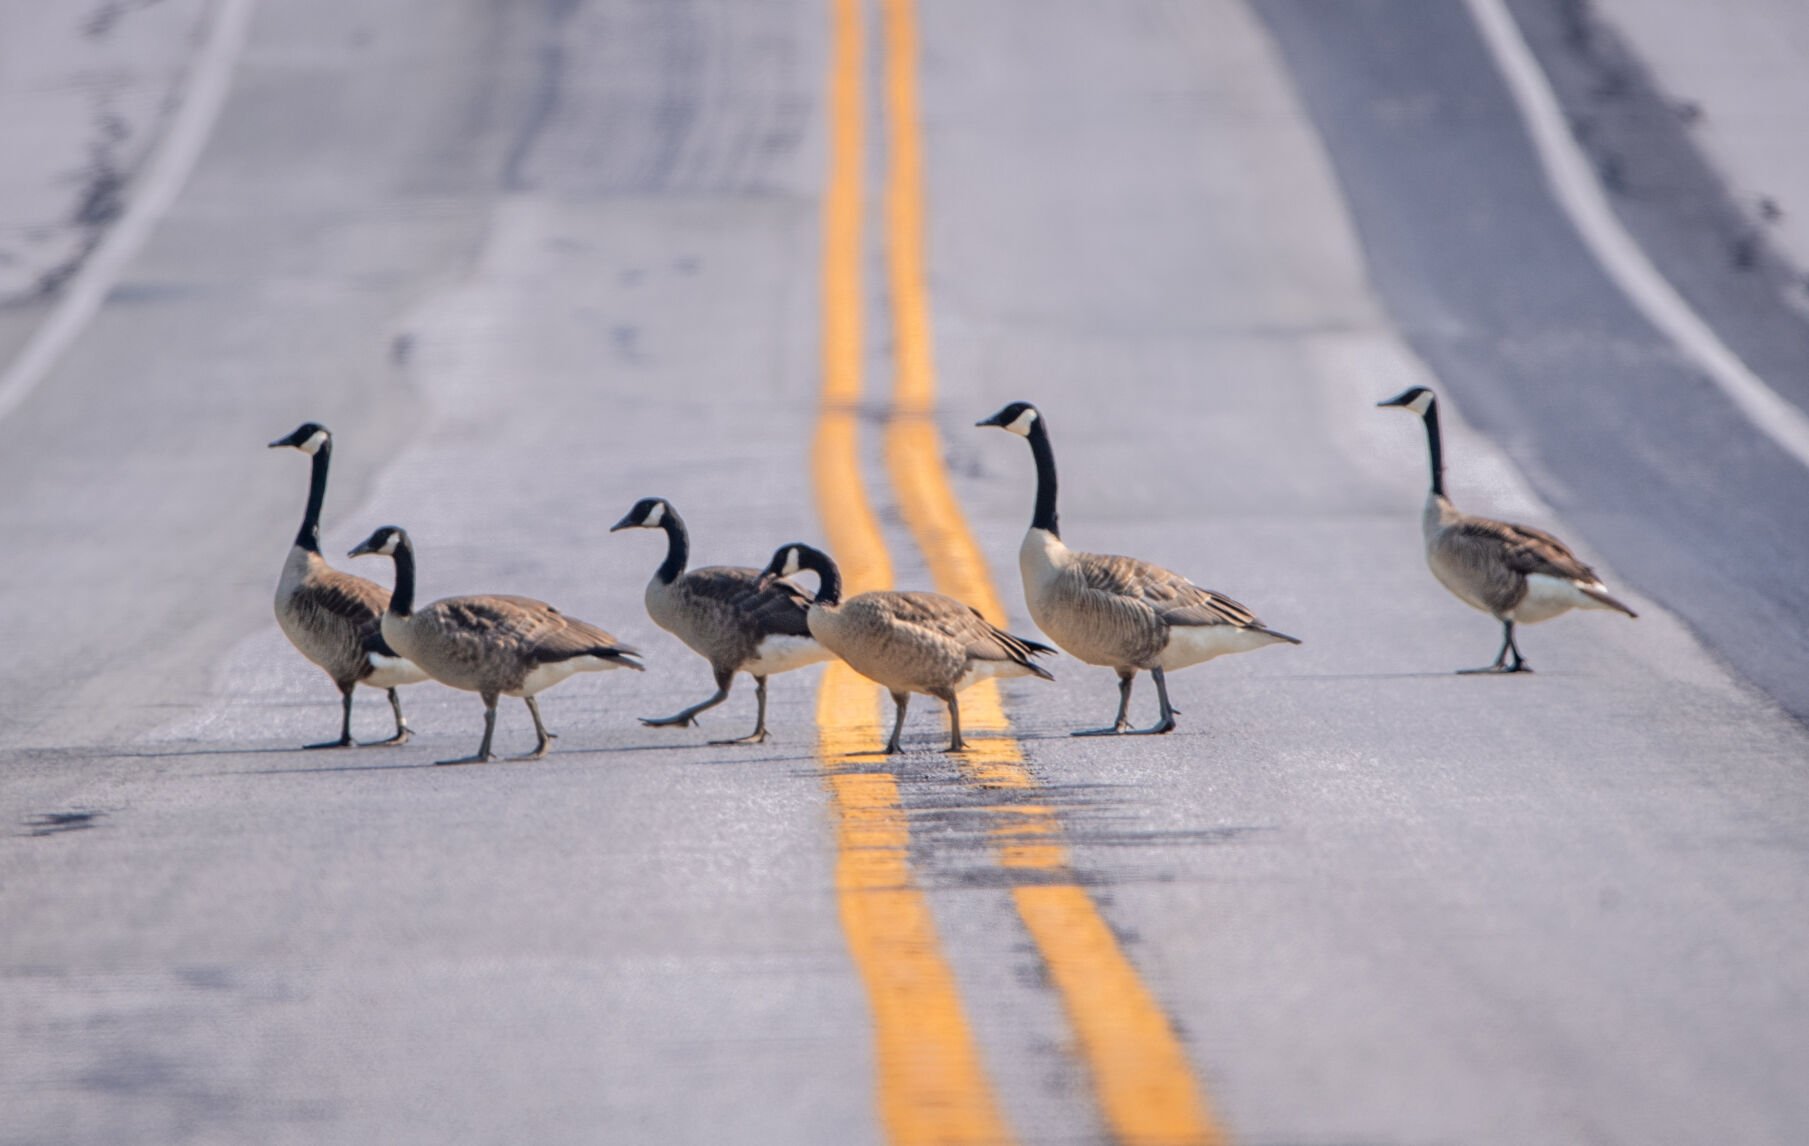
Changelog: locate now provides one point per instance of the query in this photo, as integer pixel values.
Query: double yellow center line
(932, 1083)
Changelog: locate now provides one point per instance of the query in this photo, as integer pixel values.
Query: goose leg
(402, 732)
(1501, 664)
(955, 743)
(689, 715)
(1121, 723)
(901, 699)
(544, 738)
(758, 735)
(345, 722)
(483, 750)
(1520, 664)
(1165, 722)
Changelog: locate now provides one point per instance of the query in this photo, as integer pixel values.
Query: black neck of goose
(829, 589)
(1432, 442)
(309, 535)
(1044, 453)
(402, 601)
(678, 547)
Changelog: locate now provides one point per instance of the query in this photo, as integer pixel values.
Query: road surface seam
(155, 190)
(1141, 1075)
(932, 1086)
(1575, 186)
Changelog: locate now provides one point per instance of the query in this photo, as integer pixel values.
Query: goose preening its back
(1514, 573)
(731, 616)
(334, 618)
(1119, 612)
(908, 642)
(491, 645)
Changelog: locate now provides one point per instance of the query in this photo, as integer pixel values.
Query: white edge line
(153, 192)
(1573, 181)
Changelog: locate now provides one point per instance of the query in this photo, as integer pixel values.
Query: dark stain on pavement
(57, 823)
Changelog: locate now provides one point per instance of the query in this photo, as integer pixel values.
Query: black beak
(1400, 399)
(363, 548)
(627, 522)
(992, 421)
(281, 442)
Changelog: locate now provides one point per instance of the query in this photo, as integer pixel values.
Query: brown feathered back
(921, 642)
(492, 644)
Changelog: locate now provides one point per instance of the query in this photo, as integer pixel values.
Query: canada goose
(491, 645)
(1514, 573)
(730, 615)
(1119, 612)
(908, 642)
(333, 617)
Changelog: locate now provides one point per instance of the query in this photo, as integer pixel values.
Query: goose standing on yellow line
(908, 641)
(1514, 573)
(1119, 612)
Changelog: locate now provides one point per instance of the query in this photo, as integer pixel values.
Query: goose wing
(1523, 549)
(345, 597)
(976, 637)
(773, 608)
(1170, 596)
(524, 627)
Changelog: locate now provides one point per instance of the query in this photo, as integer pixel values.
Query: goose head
(648, 513)
(308, 438)
(1418, 399)
(787, 560)
(798, 558)
(384, 542)
(1018, 417)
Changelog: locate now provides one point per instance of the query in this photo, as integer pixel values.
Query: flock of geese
(1117, 612)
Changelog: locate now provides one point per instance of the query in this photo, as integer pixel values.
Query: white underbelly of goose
(388, 672)
(1548, 597)
(990, 670)
(545, 676)
(1196, 644)
(784, 653)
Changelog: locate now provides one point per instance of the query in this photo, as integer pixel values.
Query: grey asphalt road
(534, 261)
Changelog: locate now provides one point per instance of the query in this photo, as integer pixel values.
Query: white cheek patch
(655, 515)
(791, 563)
(313, 443)
(1021, 424)
(1422, 403)
(389, 546)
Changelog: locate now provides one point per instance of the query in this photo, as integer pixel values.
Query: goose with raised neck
(1514, 573)
(1122, 613)
(727, 614)
(492, 645)
(331, 617)
(908, 641)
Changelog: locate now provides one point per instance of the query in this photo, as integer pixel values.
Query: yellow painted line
(1145, 1084)
(932, 1085)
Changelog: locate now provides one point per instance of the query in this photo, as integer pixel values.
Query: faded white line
(1573, 181)
(150, 198)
